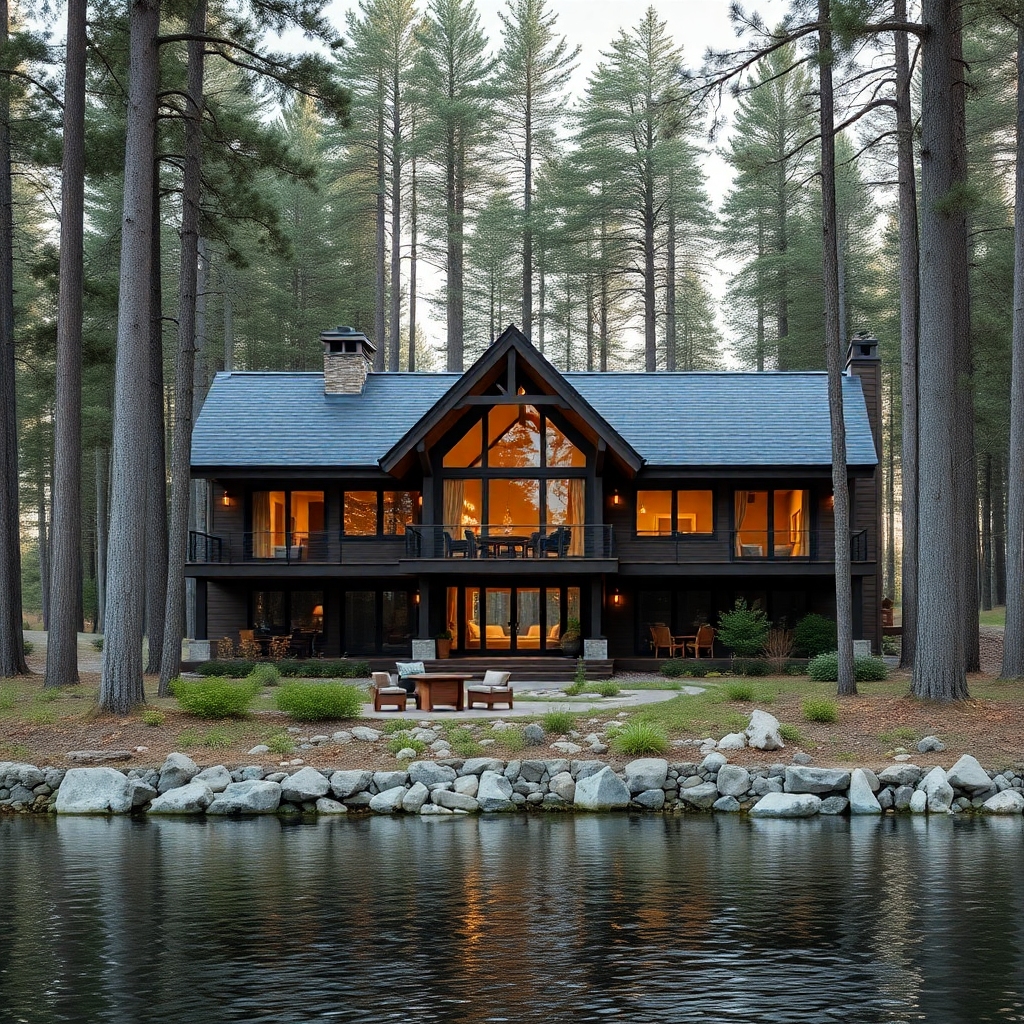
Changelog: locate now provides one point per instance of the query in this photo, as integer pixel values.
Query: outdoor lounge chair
(661, 636)
(387, 694)
(705, 639)
(556, 543)
(453, 547)
(495, 689)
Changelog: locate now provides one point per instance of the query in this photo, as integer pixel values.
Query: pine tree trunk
(999, 532)
(12, 653)
(1013, 636)
(66, 497)
(761, 312)
(102, 474)
(184, 384)
(670, 283)
(43, 533)
(909, 314)
(986, 533)
(156, 454)
(379, 263)
(542, 298)
(229, 321)
(121, 686)
(890, 501)
(939, 656)
(650, 281)
(412, 264)
(395, 326)
(847, 683)
(527, 227)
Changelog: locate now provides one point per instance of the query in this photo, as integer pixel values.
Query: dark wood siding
(227, 610)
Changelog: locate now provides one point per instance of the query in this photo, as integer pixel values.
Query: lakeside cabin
(355, 512)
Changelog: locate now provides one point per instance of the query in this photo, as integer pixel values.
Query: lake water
(546, 918)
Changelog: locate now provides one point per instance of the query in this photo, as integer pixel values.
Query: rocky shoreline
(488, 785)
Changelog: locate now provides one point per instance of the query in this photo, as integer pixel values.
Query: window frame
(675, 534)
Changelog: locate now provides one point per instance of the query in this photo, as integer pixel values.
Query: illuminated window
(513, 436)
(694, 513)
(361, 513)
(400, 511)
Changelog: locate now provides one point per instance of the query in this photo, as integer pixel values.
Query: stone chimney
(348, 357)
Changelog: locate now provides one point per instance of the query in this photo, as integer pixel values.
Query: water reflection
(541, 918)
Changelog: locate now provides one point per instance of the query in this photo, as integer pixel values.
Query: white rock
(806, 779)
(733, 780)
(862, 800)
(1009, 801)
(250, 796)
(435, 809)
(763, 731)
(325, 805)
(455, 801)
(919, 802)
(260, 748)
(415, 798)
(365, 733)
(468, 784)
(176, 771)
(713, 762)
(429, 773)
(566, 747)
(348, 783)
(305, 784)
(733, 741)
(701, 796)
(969, 775)
(94, 791)
(786, 805)
(646, 773)
(389, 801)
(478, 765)
(342, 736)
(938, 790)
(604, 791)
(192, 798)
(494, 793)
(563, 786)
(218, 778)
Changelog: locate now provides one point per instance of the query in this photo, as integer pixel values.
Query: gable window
(664, 513)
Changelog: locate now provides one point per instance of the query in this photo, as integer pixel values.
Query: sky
(696, 25)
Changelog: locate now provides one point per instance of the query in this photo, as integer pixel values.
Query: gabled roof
(742, 420)
(509, 360)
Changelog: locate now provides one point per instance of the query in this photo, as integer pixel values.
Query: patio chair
(661, 636)
(453, 547)
(557, 543)
(494, 689)
(385, 693)
(705, 639)
(470, 543)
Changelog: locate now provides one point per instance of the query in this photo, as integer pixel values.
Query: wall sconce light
(419, 500)
(616, 497)
(227, 500)
(616, 597)
(416, 597)
(830, 501)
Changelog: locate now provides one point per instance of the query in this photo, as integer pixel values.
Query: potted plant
(444, 643)
(571, 638)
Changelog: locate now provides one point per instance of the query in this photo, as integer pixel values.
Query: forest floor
(42, 727)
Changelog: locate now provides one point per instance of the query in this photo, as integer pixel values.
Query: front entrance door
(510, 620)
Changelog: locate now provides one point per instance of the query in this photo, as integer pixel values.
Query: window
(514, 503)
(400, 511)
(559, 450)
(772, 524)
(662, 513)
(377, 513)
(360, 622)
(468, 450)
(268, 612)
(361, 513)
(513, 436)
(288, 524)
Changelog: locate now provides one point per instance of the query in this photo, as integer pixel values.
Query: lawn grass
(994, 617)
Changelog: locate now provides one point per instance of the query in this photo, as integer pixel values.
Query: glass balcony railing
(510, 541)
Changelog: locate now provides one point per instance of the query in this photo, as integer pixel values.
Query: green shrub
(673, 668)
(560, 722)
(188, 738)
(814, 634)
(890, 646)
(790, 733)
(215, 738)
(97, 643)
(821, 710)
(393, 725)
(607, 689)
(638, 737)
(27, 646)
(513, 739)
(402, 740)
(214, 697)
(574, 689)
(313, 702)
(695, 670)
(866, 669)
(751, 666)
(152, 717)
(739, 691)
(265, 675)
(281, 743)
(463, 741)
(233, 669)
(743, 629)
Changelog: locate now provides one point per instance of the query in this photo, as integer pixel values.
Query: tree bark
(1013, 636)
(527, 210)
(43, 536)
(12, 652)
(121, 685)
(986, 533)
(909, 272)
(939, 656)
(650, 322)
(999, 532)
(102, 477)
(184, 384)
(670, 281)
(156, 458)
(890, 501)
(379, 279)
(412, 260)
(847, 684)
(66, 498)
(395, 332)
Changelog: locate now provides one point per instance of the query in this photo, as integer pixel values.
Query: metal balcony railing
(510, 540)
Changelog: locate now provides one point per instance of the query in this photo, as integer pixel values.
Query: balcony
(291, 549)
(511, 542)
(761, 547)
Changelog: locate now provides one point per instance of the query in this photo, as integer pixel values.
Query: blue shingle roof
(671, 419)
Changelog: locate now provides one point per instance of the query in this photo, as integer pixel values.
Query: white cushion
(496, 679)
(393, 689)
(481, 688)
(410, 668)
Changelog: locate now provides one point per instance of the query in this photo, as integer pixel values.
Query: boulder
(862, 800)
(726, 804)
(786, 805)
(346, 784)
(1009, 801)
(468, 784)
(365, 733)
(604, 791)
(142, 792)
(804, 779)
(389, 801)
(430, 773)
(733, 780)
(646, 773)
(801, 758)
(494, 793)
(533, 734)
(325, 805)
(918, 802)
(563, 786)
(479, 765)
(389, 780)
(872, 778)
(762, 786)
(455, 801)
(415, 798)
(900, 775)
(651, 799)
(701, 796)
(938, 791)
(306, 784)
(733, 741)
(566, 747)
(584, 769)
(192, 798)
(260, 748)
(97, 756)
(901, 797)
(763, 731)
(94, 791)
(429, 809)
(712, 763)
(218, 778)
(250, 796)
(834, 805)
(968, 775)
(177, 770)
(930, 744)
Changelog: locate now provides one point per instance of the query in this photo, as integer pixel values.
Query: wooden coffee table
(440, 688)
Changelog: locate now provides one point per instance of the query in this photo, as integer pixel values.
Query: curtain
(741, 515)
(454, 498)
(451, 614)
(262, 542)
(576, 515)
